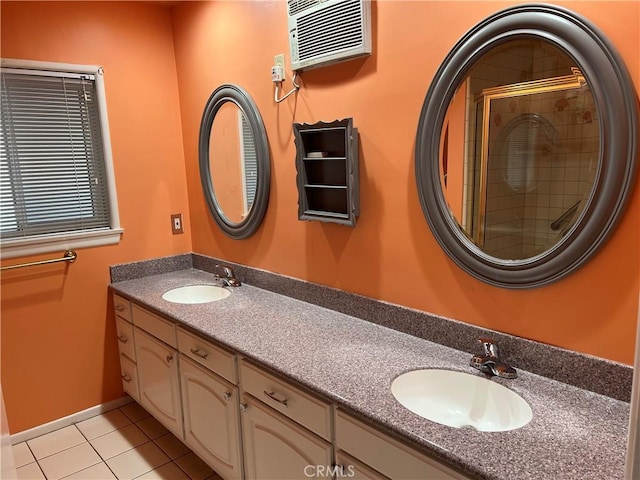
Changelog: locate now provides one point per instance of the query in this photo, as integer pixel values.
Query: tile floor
(124, 443)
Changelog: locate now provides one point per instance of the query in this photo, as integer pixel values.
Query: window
(56, 180)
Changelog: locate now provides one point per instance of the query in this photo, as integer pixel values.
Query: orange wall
(391, 254)
(59, 353)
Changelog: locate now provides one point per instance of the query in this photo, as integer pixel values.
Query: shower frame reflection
(526, 227)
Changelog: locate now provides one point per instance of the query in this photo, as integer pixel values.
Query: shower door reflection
(532, 167)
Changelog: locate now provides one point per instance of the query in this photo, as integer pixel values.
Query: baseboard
(68, 420)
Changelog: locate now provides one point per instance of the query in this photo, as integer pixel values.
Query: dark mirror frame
(221, 95)
(617, 106)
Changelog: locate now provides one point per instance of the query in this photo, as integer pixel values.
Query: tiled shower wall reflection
(537, 174)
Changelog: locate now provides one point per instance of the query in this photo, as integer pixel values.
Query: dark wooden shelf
(327, 166)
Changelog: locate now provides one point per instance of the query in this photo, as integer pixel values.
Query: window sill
(52, 243)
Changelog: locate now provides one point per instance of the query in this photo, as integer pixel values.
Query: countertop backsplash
(581, 370)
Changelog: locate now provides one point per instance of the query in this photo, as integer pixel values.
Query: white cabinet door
(158, 381)
(275, 448)
(211, 421)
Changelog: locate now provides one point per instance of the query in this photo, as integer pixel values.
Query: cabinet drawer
(354, 469)
(129, 374)
(122, 307)
(205, 353)
(385, 454)
(124, 331)
(305, 409)
(155, 325)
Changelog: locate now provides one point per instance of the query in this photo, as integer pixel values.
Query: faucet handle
(489, 346)
(224, 270)
(227, 275)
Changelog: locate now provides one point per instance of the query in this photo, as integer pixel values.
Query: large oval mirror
(234, 161)
(526, 146)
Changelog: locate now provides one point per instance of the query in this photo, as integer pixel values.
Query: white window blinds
(249, 163)
(52, 166)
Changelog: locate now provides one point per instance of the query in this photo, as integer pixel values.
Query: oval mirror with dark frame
(234, 160)
(526, 147)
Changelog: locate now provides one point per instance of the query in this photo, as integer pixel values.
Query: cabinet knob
(169, 358)
(126, 378)
(119, 308)
(272, 396)
(200, 353)
(243, 407)
(123, 338)
(227, 395)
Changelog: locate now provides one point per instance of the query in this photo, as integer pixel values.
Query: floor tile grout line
(31, 452)
(48, 433)
(60, 451)
(72, 473)
(131, 419)
(104, 461)
(127, 450)
(37, 465)
(155, 468)
(111, 431)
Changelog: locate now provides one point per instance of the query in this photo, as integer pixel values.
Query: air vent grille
(337, 27)
(297, 6)
(328, 31)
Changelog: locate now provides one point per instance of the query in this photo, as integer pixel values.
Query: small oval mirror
(234, 161)
(526, 146)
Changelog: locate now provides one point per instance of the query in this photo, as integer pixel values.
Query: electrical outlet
(277, 75)
(176, 223)
(278, 61)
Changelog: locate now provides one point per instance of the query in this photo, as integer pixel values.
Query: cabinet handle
(272, 396)
(243, 407)
(126, 378)
(119, 308)
(123, 338)
(169, 358)
(227, 395)
(200, 353)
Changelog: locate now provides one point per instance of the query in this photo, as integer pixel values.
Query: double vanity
(255, 377)
(264, 382)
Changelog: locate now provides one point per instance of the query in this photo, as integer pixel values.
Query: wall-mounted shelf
(327, 165)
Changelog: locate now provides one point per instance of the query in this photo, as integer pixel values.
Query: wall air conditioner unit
(322, 32)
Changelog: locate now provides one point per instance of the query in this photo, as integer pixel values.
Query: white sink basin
(461, 400)
(196, 294)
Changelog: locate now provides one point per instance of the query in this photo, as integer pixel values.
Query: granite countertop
(574, 433)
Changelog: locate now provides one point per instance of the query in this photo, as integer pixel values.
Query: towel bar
(69, 256)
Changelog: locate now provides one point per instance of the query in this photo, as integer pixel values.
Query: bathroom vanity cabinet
(209, 389)
(244, 421)
(327, 166)
(185, 382)
(126, 347)
(281, 421)
(158, 382)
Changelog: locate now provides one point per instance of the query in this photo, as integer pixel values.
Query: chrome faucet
(489, 362)
(225, 273)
